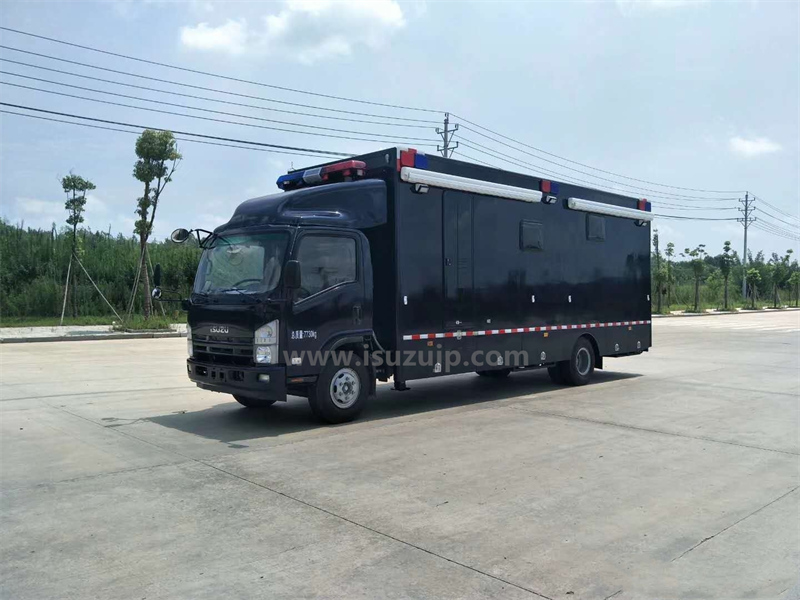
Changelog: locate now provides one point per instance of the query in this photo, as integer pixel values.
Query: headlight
(189, 346)
(265, 343)
(264, 354)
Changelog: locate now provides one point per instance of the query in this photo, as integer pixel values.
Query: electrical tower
(447, 147)
(746, 220)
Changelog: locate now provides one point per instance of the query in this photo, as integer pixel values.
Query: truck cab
(283, 290)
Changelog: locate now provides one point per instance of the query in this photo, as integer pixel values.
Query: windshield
(241, 263)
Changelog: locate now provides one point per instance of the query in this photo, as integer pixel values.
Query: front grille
(223, 350)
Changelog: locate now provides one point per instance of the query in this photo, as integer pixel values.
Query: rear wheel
(495, 373)
(253, 402)
(340, 393)
(579, 369)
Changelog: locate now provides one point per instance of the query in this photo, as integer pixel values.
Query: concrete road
(674, 475)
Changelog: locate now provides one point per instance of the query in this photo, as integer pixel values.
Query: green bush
(33, 268)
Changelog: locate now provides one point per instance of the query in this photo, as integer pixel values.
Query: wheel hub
(345, 388)
(583, 362)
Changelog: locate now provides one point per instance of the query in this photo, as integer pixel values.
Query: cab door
(331, 302)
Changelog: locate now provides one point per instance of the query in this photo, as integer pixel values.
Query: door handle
(357, 313)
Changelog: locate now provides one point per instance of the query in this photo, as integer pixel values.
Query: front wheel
(253, 402)
(340, 393)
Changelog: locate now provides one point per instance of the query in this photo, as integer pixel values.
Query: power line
(193, 96)
(690, 207)
(138, 132)
(796, 226)
(778, 228)
(200, 135)
(775, 208)
(786, 236)
(682, 218)
(583, 164)
(164, 103)
(665, 204)
(658, 193)
(217, 75)
(210, 89)
(573, 180)
(177, 114)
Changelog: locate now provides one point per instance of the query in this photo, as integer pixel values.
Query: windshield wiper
(242, 292)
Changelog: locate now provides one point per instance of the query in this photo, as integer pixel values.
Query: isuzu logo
(219, 329)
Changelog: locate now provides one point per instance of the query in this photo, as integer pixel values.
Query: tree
(75, 187)
(779, 271)
(669, 252)
(725, 267)
(158, 157)
(794, 283)
(660, 274)
(698, 265)
(753, 279)
(715, 281)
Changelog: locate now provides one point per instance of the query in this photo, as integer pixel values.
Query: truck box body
(458, 256)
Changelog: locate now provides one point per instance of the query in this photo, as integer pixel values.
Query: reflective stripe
(451, 334)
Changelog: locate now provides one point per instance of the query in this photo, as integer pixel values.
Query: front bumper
(244, 381)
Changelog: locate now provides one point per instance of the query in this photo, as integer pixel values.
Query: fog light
(263, 378)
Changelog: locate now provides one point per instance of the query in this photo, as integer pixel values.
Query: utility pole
(447, 147)
(746, 220)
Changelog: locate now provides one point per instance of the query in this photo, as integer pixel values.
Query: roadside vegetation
(708, 280)
(34, 267)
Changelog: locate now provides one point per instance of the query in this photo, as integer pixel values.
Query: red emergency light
(342, 170)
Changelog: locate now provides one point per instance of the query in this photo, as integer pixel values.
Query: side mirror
(157, 275)
(291, 275)
(180, 235)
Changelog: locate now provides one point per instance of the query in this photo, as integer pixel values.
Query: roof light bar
(548, 187)
(608, 209)
(411, 157)
(347, 168)
(465, 184)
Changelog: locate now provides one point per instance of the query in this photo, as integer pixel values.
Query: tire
(495, 373)
(556, 373)
(579, 369)
(253, 402)
(340, 393)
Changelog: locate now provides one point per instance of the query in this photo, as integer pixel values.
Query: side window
(531, 236)
(595, 228)
(325, 261)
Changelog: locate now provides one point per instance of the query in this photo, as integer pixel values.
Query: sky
(702, 95)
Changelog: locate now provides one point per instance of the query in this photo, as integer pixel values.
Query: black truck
(402, 265)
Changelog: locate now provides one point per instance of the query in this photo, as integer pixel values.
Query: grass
(54, 321)
(139, 323)
(136, 322)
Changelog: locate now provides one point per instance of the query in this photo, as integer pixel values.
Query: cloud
(95, 205)
(753, 146)
(628, 7)
(306, 31)
(40, 213)
(230, 38)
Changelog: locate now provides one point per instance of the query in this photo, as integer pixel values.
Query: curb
(94, 337)
(728, 313)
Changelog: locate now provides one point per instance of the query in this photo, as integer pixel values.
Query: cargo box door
(458, 263)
